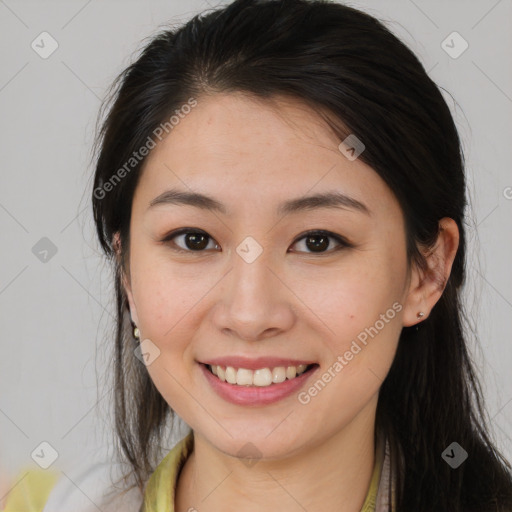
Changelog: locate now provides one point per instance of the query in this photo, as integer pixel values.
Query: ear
(125, 279)
(427, 286)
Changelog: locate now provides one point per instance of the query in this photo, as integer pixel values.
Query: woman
(281, 189)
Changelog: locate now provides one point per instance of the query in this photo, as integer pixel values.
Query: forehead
(249, 151)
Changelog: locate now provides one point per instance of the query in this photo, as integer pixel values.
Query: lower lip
(256, 395)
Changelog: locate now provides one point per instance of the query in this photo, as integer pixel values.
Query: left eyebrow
(332, 199)
(323, 200)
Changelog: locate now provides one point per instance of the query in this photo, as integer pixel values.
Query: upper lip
(255, 363)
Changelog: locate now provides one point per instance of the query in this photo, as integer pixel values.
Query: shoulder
(85, 489)
(29, 490)
(89, 488)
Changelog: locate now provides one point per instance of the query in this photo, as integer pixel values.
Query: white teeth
(262, 377)
(244, 377)
(291, 371)
(301, 368)
(230, 375)
(279, 374)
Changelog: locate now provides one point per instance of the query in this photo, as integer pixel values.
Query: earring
(136, 333)
(419, 315)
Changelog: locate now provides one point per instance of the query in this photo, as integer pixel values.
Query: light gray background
(56, 317)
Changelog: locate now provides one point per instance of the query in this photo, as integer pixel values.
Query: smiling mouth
(263, 377)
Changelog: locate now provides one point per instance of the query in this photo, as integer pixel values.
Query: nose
(253, 304)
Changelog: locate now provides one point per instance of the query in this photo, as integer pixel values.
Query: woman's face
(255, 285)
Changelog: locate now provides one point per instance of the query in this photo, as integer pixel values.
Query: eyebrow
(332, 199)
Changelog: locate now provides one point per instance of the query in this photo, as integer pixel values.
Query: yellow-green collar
(161, 487)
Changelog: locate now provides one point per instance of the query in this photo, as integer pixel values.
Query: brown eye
(196, 241)
(187, 240)
(319, 241)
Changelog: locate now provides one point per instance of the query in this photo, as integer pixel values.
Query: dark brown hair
(348, 64)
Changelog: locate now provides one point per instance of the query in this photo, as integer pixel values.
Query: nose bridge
(252, 281)
(252, 304)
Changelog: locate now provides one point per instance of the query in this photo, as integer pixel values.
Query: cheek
(167, 296)
(363, 314)
(360, 310)
(168, 299)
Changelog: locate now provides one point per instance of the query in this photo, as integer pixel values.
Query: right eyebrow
(330, 199)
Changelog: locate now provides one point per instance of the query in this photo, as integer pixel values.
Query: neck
(333, 475)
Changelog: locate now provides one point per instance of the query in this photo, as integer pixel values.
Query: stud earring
(136, 333)
(419, 315)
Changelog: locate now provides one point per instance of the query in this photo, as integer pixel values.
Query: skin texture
(290, 302)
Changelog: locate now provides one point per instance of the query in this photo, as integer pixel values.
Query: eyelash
(343, 243)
